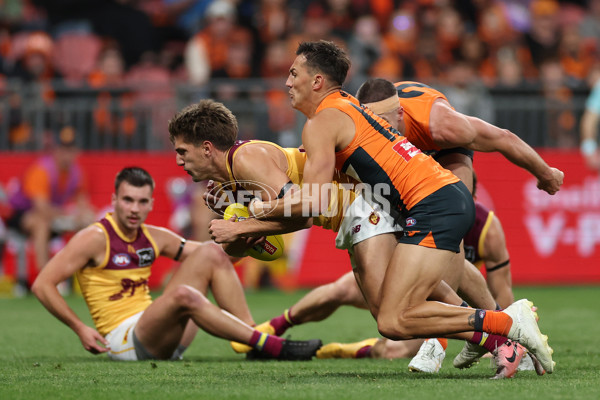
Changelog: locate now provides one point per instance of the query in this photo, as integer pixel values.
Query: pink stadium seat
(151, 83)
(75, 55)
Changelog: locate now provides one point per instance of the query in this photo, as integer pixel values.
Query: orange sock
(443, 342)
(497, 322)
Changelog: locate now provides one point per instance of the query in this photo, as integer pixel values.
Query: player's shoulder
(255, 150)
(249, 157)
(91, 238)
(162, 235)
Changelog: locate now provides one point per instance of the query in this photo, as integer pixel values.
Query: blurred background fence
(136, 117)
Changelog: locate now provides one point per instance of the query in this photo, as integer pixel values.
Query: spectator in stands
(558, 105)
(35, 64)
(590, 122)
(466, 92)
(207, 51)
(51, 196)
(590, 26)
(544, 35)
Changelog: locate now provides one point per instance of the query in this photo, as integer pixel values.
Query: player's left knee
(391, 327)
(213, 255)
(188, 298)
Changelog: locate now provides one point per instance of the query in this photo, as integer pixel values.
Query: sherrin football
(269, 250)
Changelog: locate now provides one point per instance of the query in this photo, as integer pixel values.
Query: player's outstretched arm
(450, 128)
(491, 138)
(86, 248)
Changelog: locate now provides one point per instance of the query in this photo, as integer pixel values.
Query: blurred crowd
(463, 47)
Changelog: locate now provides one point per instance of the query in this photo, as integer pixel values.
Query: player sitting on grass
(113, 258)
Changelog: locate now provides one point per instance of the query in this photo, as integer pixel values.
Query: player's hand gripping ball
(269, 250)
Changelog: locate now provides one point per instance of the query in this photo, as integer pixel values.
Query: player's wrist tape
(588, 147)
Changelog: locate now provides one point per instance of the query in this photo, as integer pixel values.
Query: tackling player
(204, 135)
(433, 205)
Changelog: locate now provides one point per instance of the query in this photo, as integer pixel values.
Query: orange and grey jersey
(118, 287)
(340, 196)
(380, 155)
(417, 99)
(475, 238)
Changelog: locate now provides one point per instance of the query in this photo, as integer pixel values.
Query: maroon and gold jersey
(118, 287)
(379, 154)
(340, 198)
(475, 238)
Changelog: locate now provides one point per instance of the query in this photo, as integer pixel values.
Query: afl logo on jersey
(121, 259)
(410, 222)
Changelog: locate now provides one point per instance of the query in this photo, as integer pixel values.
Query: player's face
(300, 82)
(395, 118)
(192, 159)
(132, 205)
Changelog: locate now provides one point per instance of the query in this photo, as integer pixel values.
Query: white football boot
(429, 358)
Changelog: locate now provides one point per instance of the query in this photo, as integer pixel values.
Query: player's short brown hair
(327, 58)
(205, 120)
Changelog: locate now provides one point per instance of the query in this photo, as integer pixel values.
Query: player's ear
(318, 82)
(207, 147)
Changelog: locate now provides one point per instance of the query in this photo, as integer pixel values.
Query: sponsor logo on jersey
(356, 229)
(410, 222)
(121, 260)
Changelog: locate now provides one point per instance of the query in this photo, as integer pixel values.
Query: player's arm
(86, 248)
(177, 248)
(227, 231)
(320, 137)
(450, 128)
(497, 264)
(172, 245)
(260, 174)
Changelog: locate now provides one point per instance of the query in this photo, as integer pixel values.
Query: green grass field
(43, 359)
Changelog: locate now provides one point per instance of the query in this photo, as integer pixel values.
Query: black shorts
(460, 150)
(440, 220)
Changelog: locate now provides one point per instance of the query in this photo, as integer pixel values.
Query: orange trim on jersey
(428, 241)
(484, 231)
